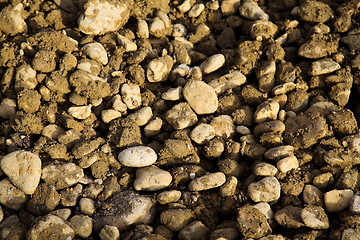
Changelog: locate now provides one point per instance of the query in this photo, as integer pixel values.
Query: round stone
(266, 190)
(140, 156)
(151, 178)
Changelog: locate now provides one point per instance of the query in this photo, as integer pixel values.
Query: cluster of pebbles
(186, 119)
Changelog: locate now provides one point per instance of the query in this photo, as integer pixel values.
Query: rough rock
(62, 175)
(266, 190)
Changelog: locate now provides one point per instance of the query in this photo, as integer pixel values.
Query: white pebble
(204, 101)
(173, 94)
(141, 116)
(118, 104)
(82, 225)
(151, 178)
(95, 101)
(315, 217)
(178, 30)
(153, 127)
(131, 95)
(265, 208)
(229, 7)
(142, 29)
(185, 6)
(208, 181)
(223, 126)
(13, 19)
(324, 66)
(265, 169)
(252, 11)
(97, 52)
(286, 164)
(266, 190)
(338, 200)
(181, 116)
(227, 82)
(283, 88)
(202, 133)
(140, 156)
(108, 115)
(196, 10)
(129, 46)
(266, 111)
(52, 131)
(80, 112)
(158, 69)
(157, 28)
(213, 63)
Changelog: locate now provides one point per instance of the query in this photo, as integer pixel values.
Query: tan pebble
(312, 195)
(185, 6)
(131, 95)
(109, 233)
(230, 7)
(181, 116)
(96, 51)
(252, 11)
(223, 126)
(196, 10)
(141, 116)
(202, 133)
(80, 112)
(266, 111)
(243, 130)
(265, 169)
(129, 46)
(194, 230)
(82, 225)
(213, 63)
(168, 196)
(11, 196)
(287, 164)
(151, 178)
(324, 66)
(265, 208)
(8, 108)
(157, 28)
(280, 152)
(229, 187)
(266, 190)
(209, 181)
(173, 94)
(315, 217)
(179, 30)
(227, 82)
(12, 21)
(142, 29)
(52, 131)
(153, 127)
(118, 104)
(338, 200)
(158, 69)
(140, 156)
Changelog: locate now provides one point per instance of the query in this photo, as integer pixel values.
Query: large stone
(201, 97)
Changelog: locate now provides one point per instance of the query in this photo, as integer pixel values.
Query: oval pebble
(266, 190)
(338, 200)
(151, 178)
(140, 156)
(288, 163)
(315, 217)
(280, 152)
(265, 169)
(168, 196)
(202, 133)
(209, 181)
(213, 63)
(96, 51)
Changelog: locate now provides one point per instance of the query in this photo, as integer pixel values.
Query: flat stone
(265, 169)
(204, 101)
(227, 82)
(289, 217)
(208, 181)
(23, 169)
(140, 156)
(323, 66)
(266, 190)
(280, 152)
(151, 178)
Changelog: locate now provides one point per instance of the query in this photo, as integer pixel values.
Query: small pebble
(62, 175)
(312, 195)
(151, 178)
(185, 6)
(153, 127)
(140, 156)
(87, 206)
(157, 28)
(213, 63)
(230, 7)
(82, 225)
(323, 180)
(12, 197)
(252, 223)
(8, 108)
(227, 82)
(266, 190)
(159, 68)
(223, 126)
(286, 164)
(168, 196)
(280, 152)
(97, 52)
(315, 217)
(209, 181)
(142, 29)
(109, 233)
(323, 66)
(80, 112)
(265, 208)
(204, 101)
(118, 104)
(181, 116)
(52, 131)
(355, 204)
(176, 219)
(131, 95)
(194, 230)
(243, 130)
(266, 111)
(129, 46)
(196, 10)
(265, 169)
(229, 187)
(108, 115)
(141, 116)
(337, 200)
(12, 22)
(252, 11)
(173, 94)
(179, 30)
(202, 133)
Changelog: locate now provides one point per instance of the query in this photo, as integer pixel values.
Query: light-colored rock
(227, 82)
(108, 115)
(69, 196)
(8, 108)
(141, 116)
(45, 229)
(151, 178)
(204, 101)
(129, 45)
(266, 190)
(80, 112)
(312, 195)
(179, 30)
(194, 230)
(131, 95)
(173, 94)
(263, 29)
(229, 187)
(23, 169)
(208, 181)
(87, 161)
(315, 217)
(82, 225)
(118, 104)
(196, 10)
(181, 116)
(11, 19)
(337, 200)
(63, 213)
(280, 152)
(243, 130)
(153, 127)
(157, 28)
(168, 196)
(142, 29)
(62, 175)
(52, 131)
(265, 169)
(87, 206)
(97, 52)
(324, 66)
(230, 7)
(202, 133)
(90, 65)
(11, 196)
(355, 203)
(159, 68)
(213, 63)
(249, 220)
(109, 233)
(283, 88)
(266, 111)
(271, 126)
(323, 180)
(223, 126)
(185, 6)
(25, 77)
(140, 156)
(286, 164)
(265, 209)
(252, 11)
(101, 17)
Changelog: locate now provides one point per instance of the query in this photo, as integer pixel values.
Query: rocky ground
(186, 119)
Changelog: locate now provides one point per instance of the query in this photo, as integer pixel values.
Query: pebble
(323, 180)
(44, 61)
(153, 127)
(8, 108)
(223, 126)
(230, 7)
(140, 156)
(271, 126)
(151, 178)
(323, 66)
(252, 11)
(159, 68)
(286, 164)
(266, 76)
(227, 82)
(157, 28)
(262, 29)
(23, 169)
(243, 130)
(283, 88)
(108, 115)
(97, 52)
(202, 133)
(101, 17)
(266, 190)
(185, 6)
(44, 229)
(252, 223)
(194, 230)
(52, 131)
(43, 200)
(289, 217)
(118, 104)
(109, 233)
(229, 187)
(208, 181)
(131, 95)
(265, 209)
(338, 200)
(312, 195)
(178, 30)
(315, 12)
(213, 63)
(82, 225)
(204, 101)
(69, 196)
(173, 94)
(11, 19)
(265, 169)
(176, 219)
(142, 29)
(166, 197)
(196, 10)
(141, 116)
(80, 112)
(62, 175)
(181, 116)
(129, 45)
(87, 206)
(315, 217)
(25, 77)
(12, 197)
(280, 152)
(266, 111)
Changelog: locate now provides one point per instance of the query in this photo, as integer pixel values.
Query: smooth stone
(97, 52)
(223, 126)
(23, 169)
(213, 63)
(158, 69)
(140, 156)
(280, 152)
(181, 116)
(227, 82)
(151, 178)
(202, 133)
(131, 95)
(323, 66)
(11, 196)
(62, 175)
(168, 196)
(208, 181)
(338, 200)
(315, 217)
(266, 190)
(265, 170)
